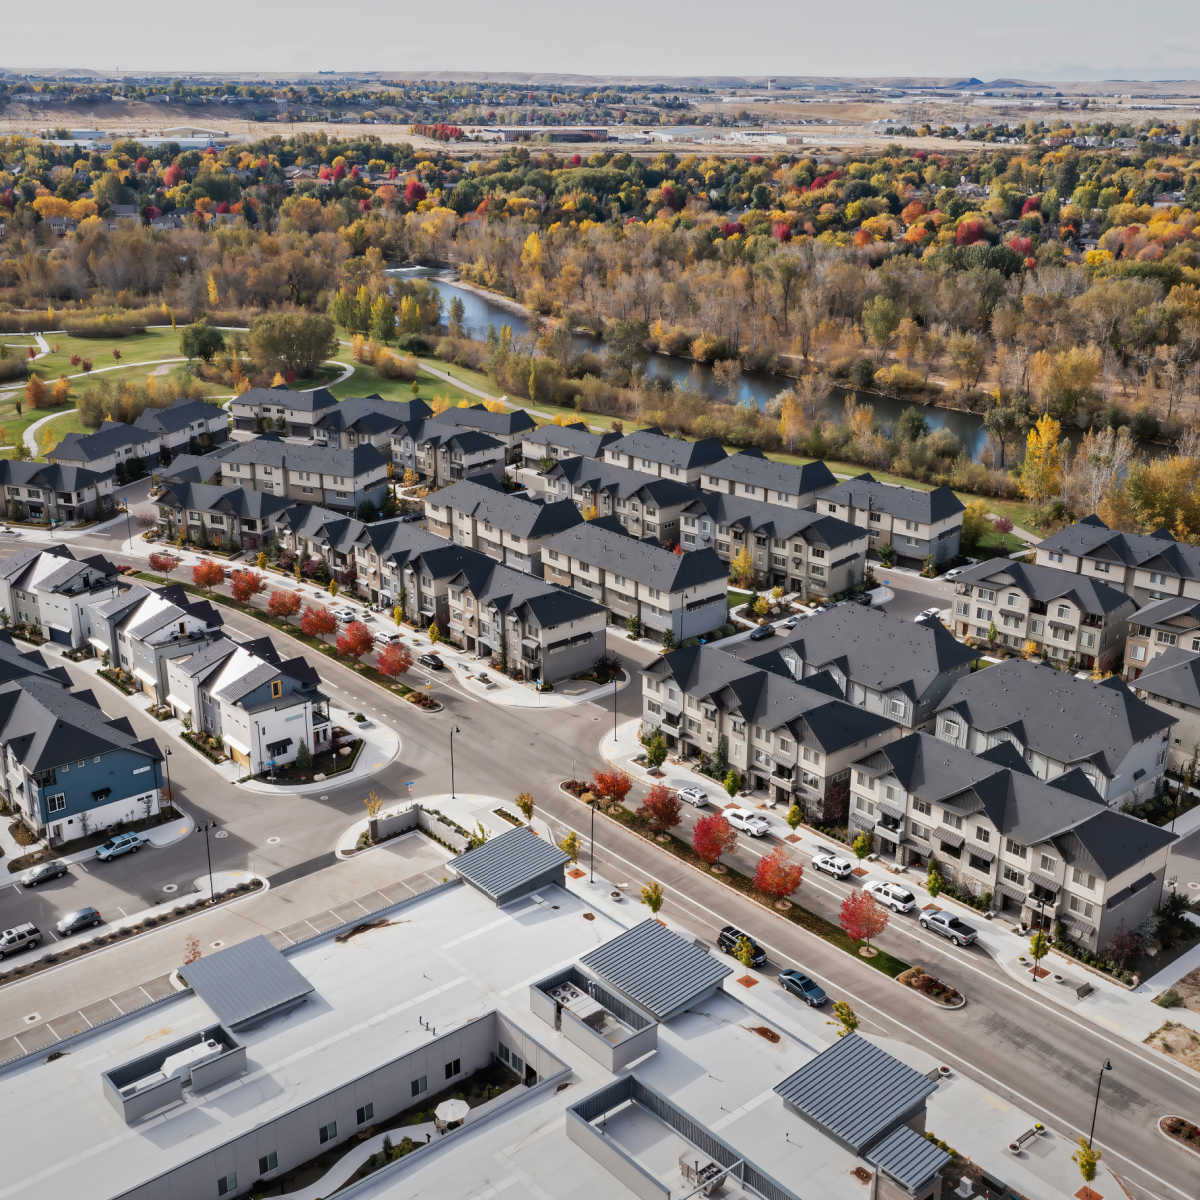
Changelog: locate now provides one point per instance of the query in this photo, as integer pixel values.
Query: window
(453, 1067)
(1078, 905)
(328, 1132)
(950, 729)
(1014, 848)
(923, 807)
(1083, 878)
(1101, 568)
(784, 745)
(1055, 556)
(1163, 638)
(276, 689)
(268, 1163)
(862, 779)
(420, 1086)
(1014, 600)
(987, 594)
(1014, 876)
(365, 1113)
(918, 831)
(983, 834)
(56, 803)
(1046, 863)
(897, 708)
(227, 1184)
(979, 864)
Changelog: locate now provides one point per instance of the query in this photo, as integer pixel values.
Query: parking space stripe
(290, 941)
(361, 905)
(53, 1031)
(20, 1043)
(85, 1020)
(311, 925)
(116, 1006)
(149, 998)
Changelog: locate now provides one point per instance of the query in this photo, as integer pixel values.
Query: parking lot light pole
(615, 680)
(205, 829)
(1096, 1107)
(167, 766)
(592, 845)
(452, 733)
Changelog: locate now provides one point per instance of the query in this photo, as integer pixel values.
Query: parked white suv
(832, 864)
(696, 797)
(18, 938)
(891, 895)
(748, 821)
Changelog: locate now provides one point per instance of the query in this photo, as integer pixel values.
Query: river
(755, 387)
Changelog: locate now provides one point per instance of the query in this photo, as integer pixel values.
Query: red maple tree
(283, 604)
(394, 659)
(163, 562)
(315, 621)
(207, 574)
(777, 875)
(245, 584)
(611, 786)
(712, 837)
(355, 640)
(661, 809)
(862, 918)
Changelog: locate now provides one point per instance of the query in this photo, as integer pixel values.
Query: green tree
(861, 845)
(934, 881)
(794, 817)
(634, 626)
(845, 1018)
(976, 524)
(295, 342)
(652, 896)
(1039, 947)
(383, 319)
(656, 749)
(435, 634)
(880, 321)
(570, 846)
(733, 783)
(201, 340)
(1086, 1158)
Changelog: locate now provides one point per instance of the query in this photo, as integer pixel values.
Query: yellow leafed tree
(1045, 453)
(214, 295)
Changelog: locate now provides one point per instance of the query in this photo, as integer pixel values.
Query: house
(652, 451)
(114, 450)
(1067, 617)
(681, 595)
(191, 426)
(367, 421)
(70, 770)
(916, 524)
(1160, 626)
(897, 669)
(280, 409)
(794, 741)
(53, 493)
(508, 426)
(262, 706)
(541, 447)
(343, 479)
(442, 452)
(1058, 723)
(647, 506)
(51, 590)
(750, 475)
(1171, 684)
(237, 518)
(509, 528)
(1148, 566)
(1044, 851)
(798, 550)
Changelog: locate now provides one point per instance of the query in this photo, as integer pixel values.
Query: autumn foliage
(316, 621)
(611, 786)
(163, 562)
(394, 659)
(355, 640)
(245, 584)
(712, 837)
(661, 809)
(283, 603)
(207, 574)
(777, 875)
(861, 917)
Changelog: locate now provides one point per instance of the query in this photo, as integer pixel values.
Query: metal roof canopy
(910, 1159)
(246, 983)
(656, 968)
(506, 863)
(855, 1091)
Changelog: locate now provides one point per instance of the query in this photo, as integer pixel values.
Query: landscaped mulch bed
(931, 987)
(1182, 1131)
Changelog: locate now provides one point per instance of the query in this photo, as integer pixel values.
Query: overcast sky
(1100, 39)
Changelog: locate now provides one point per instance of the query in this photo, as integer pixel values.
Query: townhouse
(1147, 566)
(508, 426)
(70, 770)
(1160, 626)
(1171, 684)
(510, 528)
(530, 628)
(682, 595)
(367, 421)
(652, 451)
(191, 468)
(186, 426)
(343, 479)
(233, 518)
(1067, 618)
(380, 552)
(263, 707)
(1058, 723)
(420, 580)
(646, 505)
(53, 493)
(897, 669)
(540, 448)
(52, 591)
(794, 741)
(916, 524)
(750, 475)
(281, 410)
(1044, 852)
(441, 452)
(801, 551)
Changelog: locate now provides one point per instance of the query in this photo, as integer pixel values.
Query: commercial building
(652, 451)
(750, 475)
(343, 479)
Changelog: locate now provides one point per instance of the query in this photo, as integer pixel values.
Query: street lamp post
(205, 829)
(452, 733)
(128, 525)
(592, 845)
(167, 765)
(1095, 1107)
(615, 681)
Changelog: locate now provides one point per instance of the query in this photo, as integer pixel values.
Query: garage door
(61, 636)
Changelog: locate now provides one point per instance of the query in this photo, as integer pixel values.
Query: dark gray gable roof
(1091, 538)
(751, 467)
(510, 513)
(1172, 610)
(655, 446)
(514, 591)
(111, 436)
(324, 460)
(507, 862)
(776, 520)
(246, 982)
(1175, 676)
(178, 415)
(236, 501)
(855, 1091)
(371, 414)
(576, 439)
(621, 482)
(310, 402)
(476, 416)
(906, 503)
(909, 1158)
(61, 477)
(656, 968)
(1045, 584)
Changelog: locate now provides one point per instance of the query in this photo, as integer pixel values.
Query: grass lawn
(54, 431)
(477, 379)
(140, 347)
(366, 381)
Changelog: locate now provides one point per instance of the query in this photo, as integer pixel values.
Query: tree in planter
(934, 883)
(743, 951)
(316, 621)
(668, 640)
(887, 554)
(929, 568)
(656, 749)
(794, 817)
(207, 574)
(394, 659)
(634, 626)
(733, 783)
(374, 805)
(283, 604)
(652, 896)
(720, 759)
(398, 614)
(477, 836)
(862, 917)
(355, 640)
(1086, 1159)
(777, 876)
(570, 846)
(1030, 649)
(844, 1017)
(610, 787)
(991, 632)
(244, 584)
(661, 809)
(435, 634)
(1124, 945)
(861, 845)
(1039, 947)
(261, 561)
(524, 803)
(713, 836)
(304, 758)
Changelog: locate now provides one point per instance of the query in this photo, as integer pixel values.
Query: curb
(1170, 1137)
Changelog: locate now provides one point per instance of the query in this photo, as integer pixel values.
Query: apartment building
(240, 518)
(1171, 684)
(1148, 566)
(652, 451)
(794, 741)
(1068, 618)
(647, 506)
(553, 442)
(114, 445)
(1058, 723)
(52, 590)
(801, 551)
(1160, 626)
(1043, 851)
(914, 523)
(367, 421)
(897, 669)
(508, 426)
(441, 452)
(750, 475)
(682, 594)
(281, 410)
(342, 479)
(508, 527)
(53, 493)
(186, 426)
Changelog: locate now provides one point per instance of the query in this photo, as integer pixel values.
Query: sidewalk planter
(1181, 1130)
(933, 989)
